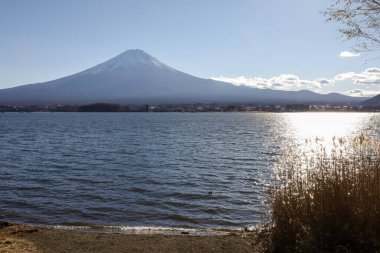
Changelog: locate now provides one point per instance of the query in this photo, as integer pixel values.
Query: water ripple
(138, 169)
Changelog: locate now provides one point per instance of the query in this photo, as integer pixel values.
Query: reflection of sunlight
(325, 126)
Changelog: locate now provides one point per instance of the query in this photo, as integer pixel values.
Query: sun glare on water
(324, 126)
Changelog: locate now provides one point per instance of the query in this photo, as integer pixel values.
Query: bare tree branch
(360, 20)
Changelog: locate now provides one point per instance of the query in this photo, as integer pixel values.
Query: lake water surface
(200, 170)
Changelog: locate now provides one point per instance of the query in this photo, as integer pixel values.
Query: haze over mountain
(134, 77)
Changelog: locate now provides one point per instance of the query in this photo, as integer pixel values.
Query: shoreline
(135, 229)
(242, 111)
(33, 239)
(142, 230)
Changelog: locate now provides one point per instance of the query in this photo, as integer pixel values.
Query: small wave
(210, 211)
(178, 204)
(89, 180)
(242, 159)
(102, 209)
(138, 190)
(143, 230)
(191, 196)
(29, 188)
(41, 180)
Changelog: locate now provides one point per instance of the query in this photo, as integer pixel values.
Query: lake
(190, 170)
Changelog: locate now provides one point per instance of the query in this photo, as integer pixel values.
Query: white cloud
(326, 82)
(285, 82)
(347, 54)
(362, 93)
(281, 82)
(368, 76)
(256, 82)
(369, 81)
(373, 70)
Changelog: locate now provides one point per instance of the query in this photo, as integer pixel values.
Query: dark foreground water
(205, 170)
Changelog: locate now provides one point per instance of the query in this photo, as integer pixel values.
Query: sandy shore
(25, 239)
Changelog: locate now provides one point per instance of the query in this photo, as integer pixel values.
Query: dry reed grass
(328, 201)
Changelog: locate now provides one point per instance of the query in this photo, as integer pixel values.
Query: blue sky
(268, 44)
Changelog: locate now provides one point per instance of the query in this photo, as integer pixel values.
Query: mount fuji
(135, 77)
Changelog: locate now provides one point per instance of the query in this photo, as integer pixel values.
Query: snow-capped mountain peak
(134, 59)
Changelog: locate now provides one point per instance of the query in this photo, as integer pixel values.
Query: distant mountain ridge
(135, 77)
(375, 101)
